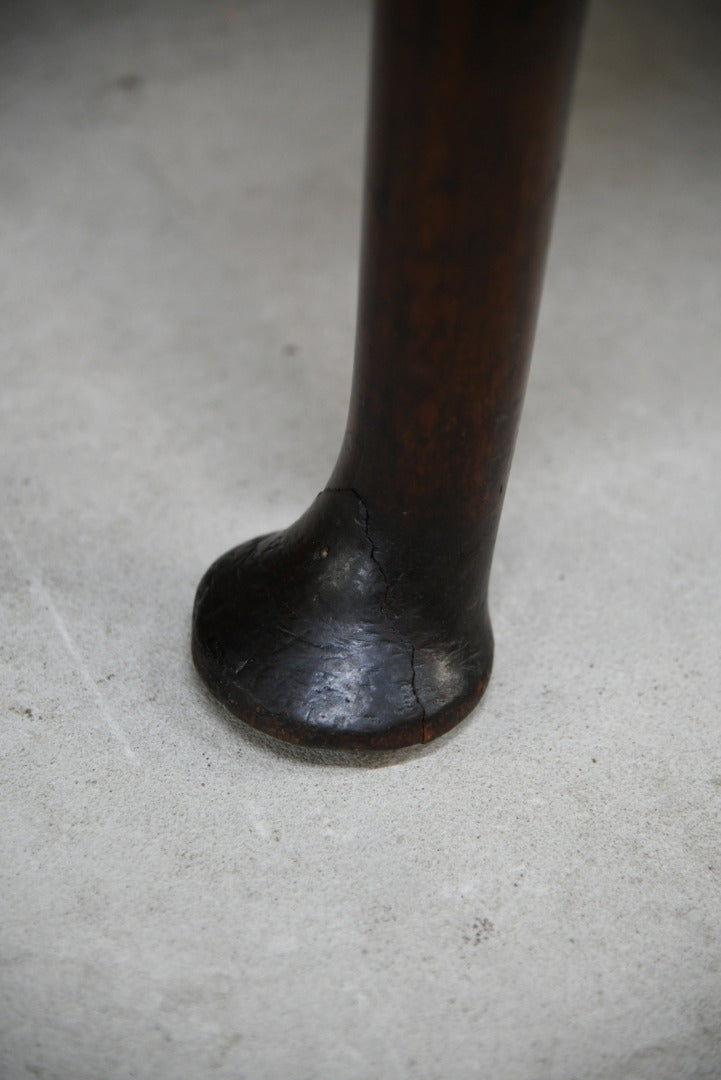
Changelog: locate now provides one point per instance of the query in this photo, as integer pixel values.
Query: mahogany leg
(365, 623)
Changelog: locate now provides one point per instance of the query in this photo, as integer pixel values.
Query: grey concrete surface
(535, 897)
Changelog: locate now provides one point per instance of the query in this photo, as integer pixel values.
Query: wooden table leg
(365, 623)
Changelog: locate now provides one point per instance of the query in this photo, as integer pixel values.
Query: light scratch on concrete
(46, 601)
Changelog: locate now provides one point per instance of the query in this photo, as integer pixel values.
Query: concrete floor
(535, 897)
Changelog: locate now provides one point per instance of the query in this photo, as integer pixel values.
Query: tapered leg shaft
(365, 623)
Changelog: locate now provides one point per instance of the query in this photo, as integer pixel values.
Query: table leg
(365, 623)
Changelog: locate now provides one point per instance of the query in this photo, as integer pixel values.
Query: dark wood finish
(365, 624)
